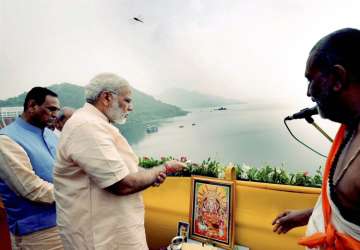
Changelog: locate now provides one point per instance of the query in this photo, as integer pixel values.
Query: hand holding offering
(173, 166)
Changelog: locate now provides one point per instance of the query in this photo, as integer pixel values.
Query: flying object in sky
(138, 19)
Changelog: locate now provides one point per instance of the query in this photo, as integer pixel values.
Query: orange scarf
(330, 239)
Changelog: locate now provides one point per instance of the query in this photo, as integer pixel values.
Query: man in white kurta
(96, 155)
(93, 156)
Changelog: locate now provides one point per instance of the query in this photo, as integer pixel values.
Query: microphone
(304, 113)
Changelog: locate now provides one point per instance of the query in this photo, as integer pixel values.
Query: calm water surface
(245, 133)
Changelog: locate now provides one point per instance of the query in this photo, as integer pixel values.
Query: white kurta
(93, 155)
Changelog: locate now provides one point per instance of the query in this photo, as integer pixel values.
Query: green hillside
(69, 94)
(146, 108)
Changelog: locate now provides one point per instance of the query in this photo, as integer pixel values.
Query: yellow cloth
(93, 155)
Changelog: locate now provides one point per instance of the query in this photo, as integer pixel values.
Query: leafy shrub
(266, 174)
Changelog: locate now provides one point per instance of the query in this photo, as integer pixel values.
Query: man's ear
(106, 97)
(31, 107)
(341, 77)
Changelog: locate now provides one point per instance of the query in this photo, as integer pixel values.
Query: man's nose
(308, 92)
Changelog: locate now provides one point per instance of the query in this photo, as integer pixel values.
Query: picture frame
(212, 211)
(183, 230)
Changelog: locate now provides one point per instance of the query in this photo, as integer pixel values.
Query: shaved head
(341, 47)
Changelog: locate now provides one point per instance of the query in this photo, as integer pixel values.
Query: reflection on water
(133, 132)
(252, 134)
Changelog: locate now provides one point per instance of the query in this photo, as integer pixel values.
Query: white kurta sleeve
(17, 172)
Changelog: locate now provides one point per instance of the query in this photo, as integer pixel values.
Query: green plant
(266, 174)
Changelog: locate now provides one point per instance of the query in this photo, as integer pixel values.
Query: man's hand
(290, 219)
(174, 166)
(170, 167)
(160, 179)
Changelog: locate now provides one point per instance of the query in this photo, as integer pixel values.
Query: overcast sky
(252, 50)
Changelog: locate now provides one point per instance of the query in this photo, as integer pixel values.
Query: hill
(146, 107)
(192, 99)
(69, 95)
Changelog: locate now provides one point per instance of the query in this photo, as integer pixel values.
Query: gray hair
(104, 82)
(61, 114)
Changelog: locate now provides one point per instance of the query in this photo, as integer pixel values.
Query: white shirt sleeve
(18, 174)
(93, 148)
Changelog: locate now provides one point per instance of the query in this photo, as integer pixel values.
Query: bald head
(341, 47)
(64, 115)
(333, 72)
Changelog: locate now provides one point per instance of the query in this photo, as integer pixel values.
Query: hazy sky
(244, 49)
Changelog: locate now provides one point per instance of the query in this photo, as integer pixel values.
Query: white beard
(116, 114)
(121, 120)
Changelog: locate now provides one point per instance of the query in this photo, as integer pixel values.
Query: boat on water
(152, 129)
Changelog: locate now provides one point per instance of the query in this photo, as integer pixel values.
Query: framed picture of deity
(212, 211)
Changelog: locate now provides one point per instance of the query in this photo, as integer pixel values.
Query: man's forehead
(126, 91)
(52, 100)
(309, 64)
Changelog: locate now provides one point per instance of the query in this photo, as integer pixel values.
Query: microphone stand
(310, 120)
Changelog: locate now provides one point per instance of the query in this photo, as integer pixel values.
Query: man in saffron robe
(333, 72)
